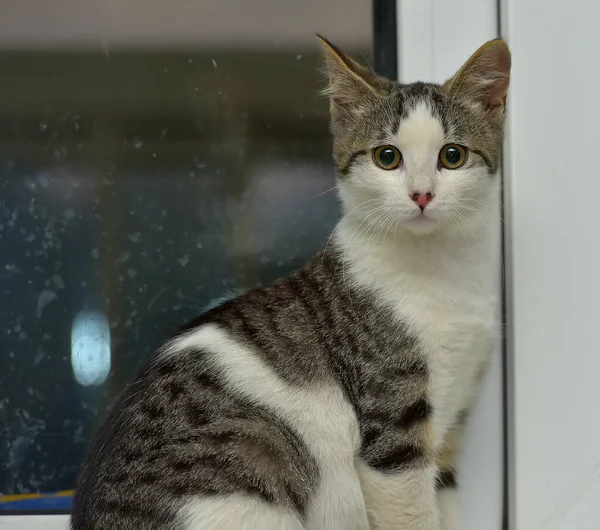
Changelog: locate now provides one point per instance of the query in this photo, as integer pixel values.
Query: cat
(333, 399)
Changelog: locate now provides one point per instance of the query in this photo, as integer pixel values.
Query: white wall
(553, 178)
(435, 37)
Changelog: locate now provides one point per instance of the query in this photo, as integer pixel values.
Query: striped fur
(331, 399)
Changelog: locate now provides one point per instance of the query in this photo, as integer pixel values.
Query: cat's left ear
(350, 83)
(485, 77)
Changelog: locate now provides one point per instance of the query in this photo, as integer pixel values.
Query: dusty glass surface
(136, 187)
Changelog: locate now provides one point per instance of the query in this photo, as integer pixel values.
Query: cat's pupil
(387, 157)
(452, 155)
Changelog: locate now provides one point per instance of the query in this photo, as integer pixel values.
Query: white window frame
(34, 522)
(553, 252)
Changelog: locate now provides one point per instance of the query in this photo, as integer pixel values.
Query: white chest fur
(458, 342)
(443, 289)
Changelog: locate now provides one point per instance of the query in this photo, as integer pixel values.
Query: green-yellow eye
(387, 157)
(452, 156)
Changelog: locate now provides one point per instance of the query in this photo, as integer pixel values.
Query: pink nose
(422, 199)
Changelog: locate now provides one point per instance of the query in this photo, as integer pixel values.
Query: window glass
(154, 157)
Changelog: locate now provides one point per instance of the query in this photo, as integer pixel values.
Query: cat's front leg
(447, 492)
(449, 507)
(400, 499)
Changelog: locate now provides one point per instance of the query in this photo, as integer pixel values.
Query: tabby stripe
(325, 325)
(411, 368)
(298, 286)
(344, 306)
(446, 479)
(368, 334)
(346, 169)
(303, 287)
(208, 380)
(463, 416)
(335, 341)
(414, 413)
(248, 328)
(296, 499)
(401, 457)
(418, 411)
(371, 434)
(321, 317)
(485, 158)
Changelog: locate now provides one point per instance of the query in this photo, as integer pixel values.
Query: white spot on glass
(44, 299)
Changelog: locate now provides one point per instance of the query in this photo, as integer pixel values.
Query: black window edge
(385, 38)
(506, 335)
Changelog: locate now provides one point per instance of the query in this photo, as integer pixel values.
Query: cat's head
(419, 157)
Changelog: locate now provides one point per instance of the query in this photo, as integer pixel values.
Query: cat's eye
(387, 157)
(453, 156)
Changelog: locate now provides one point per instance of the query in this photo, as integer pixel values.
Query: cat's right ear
(350, 83)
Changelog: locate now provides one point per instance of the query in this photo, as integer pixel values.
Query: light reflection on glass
(90, 347)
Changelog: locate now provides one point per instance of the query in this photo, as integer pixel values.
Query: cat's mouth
(422, 223)
(422, 216)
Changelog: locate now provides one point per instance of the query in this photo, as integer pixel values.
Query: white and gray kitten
(333, 399)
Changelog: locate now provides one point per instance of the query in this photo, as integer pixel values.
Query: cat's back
(282, 323)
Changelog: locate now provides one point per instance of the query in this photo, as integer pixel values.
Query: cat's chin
(422, 225)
